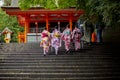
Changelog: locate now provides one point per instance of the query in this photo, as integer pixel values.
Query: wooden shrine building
(35, 19)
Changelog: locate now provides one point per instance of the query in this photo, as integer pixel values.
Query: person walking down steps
(66, 37)
(45, 41)
(76, 37)
(56, 41)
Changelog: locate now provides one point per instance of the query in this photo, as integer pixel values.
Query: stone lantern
(7, 32)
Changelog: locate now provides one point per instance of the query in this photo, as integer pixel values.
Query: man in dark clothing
(99, 28)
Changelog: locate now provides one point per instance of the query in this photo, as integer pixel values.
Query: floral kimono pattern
(76, 36)
(55, 41)
(45, 41)
(66, 37)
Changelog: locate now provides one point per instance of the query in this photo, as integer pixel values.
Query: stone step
(57, 75)
(55, 61)
(59, 67)
(52, 72)
(58, 57)
(105, 71)
(53, 56)
(58, 70)
(90, 63)
(62, 78)
(28, 47)
(60, 54)
(39, 59)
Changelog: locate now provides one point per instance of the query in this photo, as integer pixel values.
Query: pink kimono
(55, 41)
(45, 41)
(76, 35)
(66, 36)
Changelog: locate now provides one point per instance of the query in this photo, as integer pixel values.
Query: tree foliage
(10, 22)
(49, 4)
(107, 11)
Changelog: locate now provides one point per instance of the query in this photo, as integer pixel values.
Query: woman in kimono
(55, 41)
(66, 37)
(76, 36)
(45, 41)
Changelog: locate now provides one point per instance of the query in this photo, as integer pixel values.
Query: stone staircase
(26, 62)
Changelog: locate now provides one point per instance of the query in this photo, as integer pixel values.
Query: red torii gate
(36, 15)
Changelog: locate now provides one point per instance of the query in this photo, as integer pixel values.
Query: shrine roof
(6, 30)
(40, 14)
(37, 10)
(14, 9)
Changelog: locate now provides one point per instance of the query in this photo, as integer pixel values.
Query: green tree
(107, 11)
(49, 4)
(10, 22)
